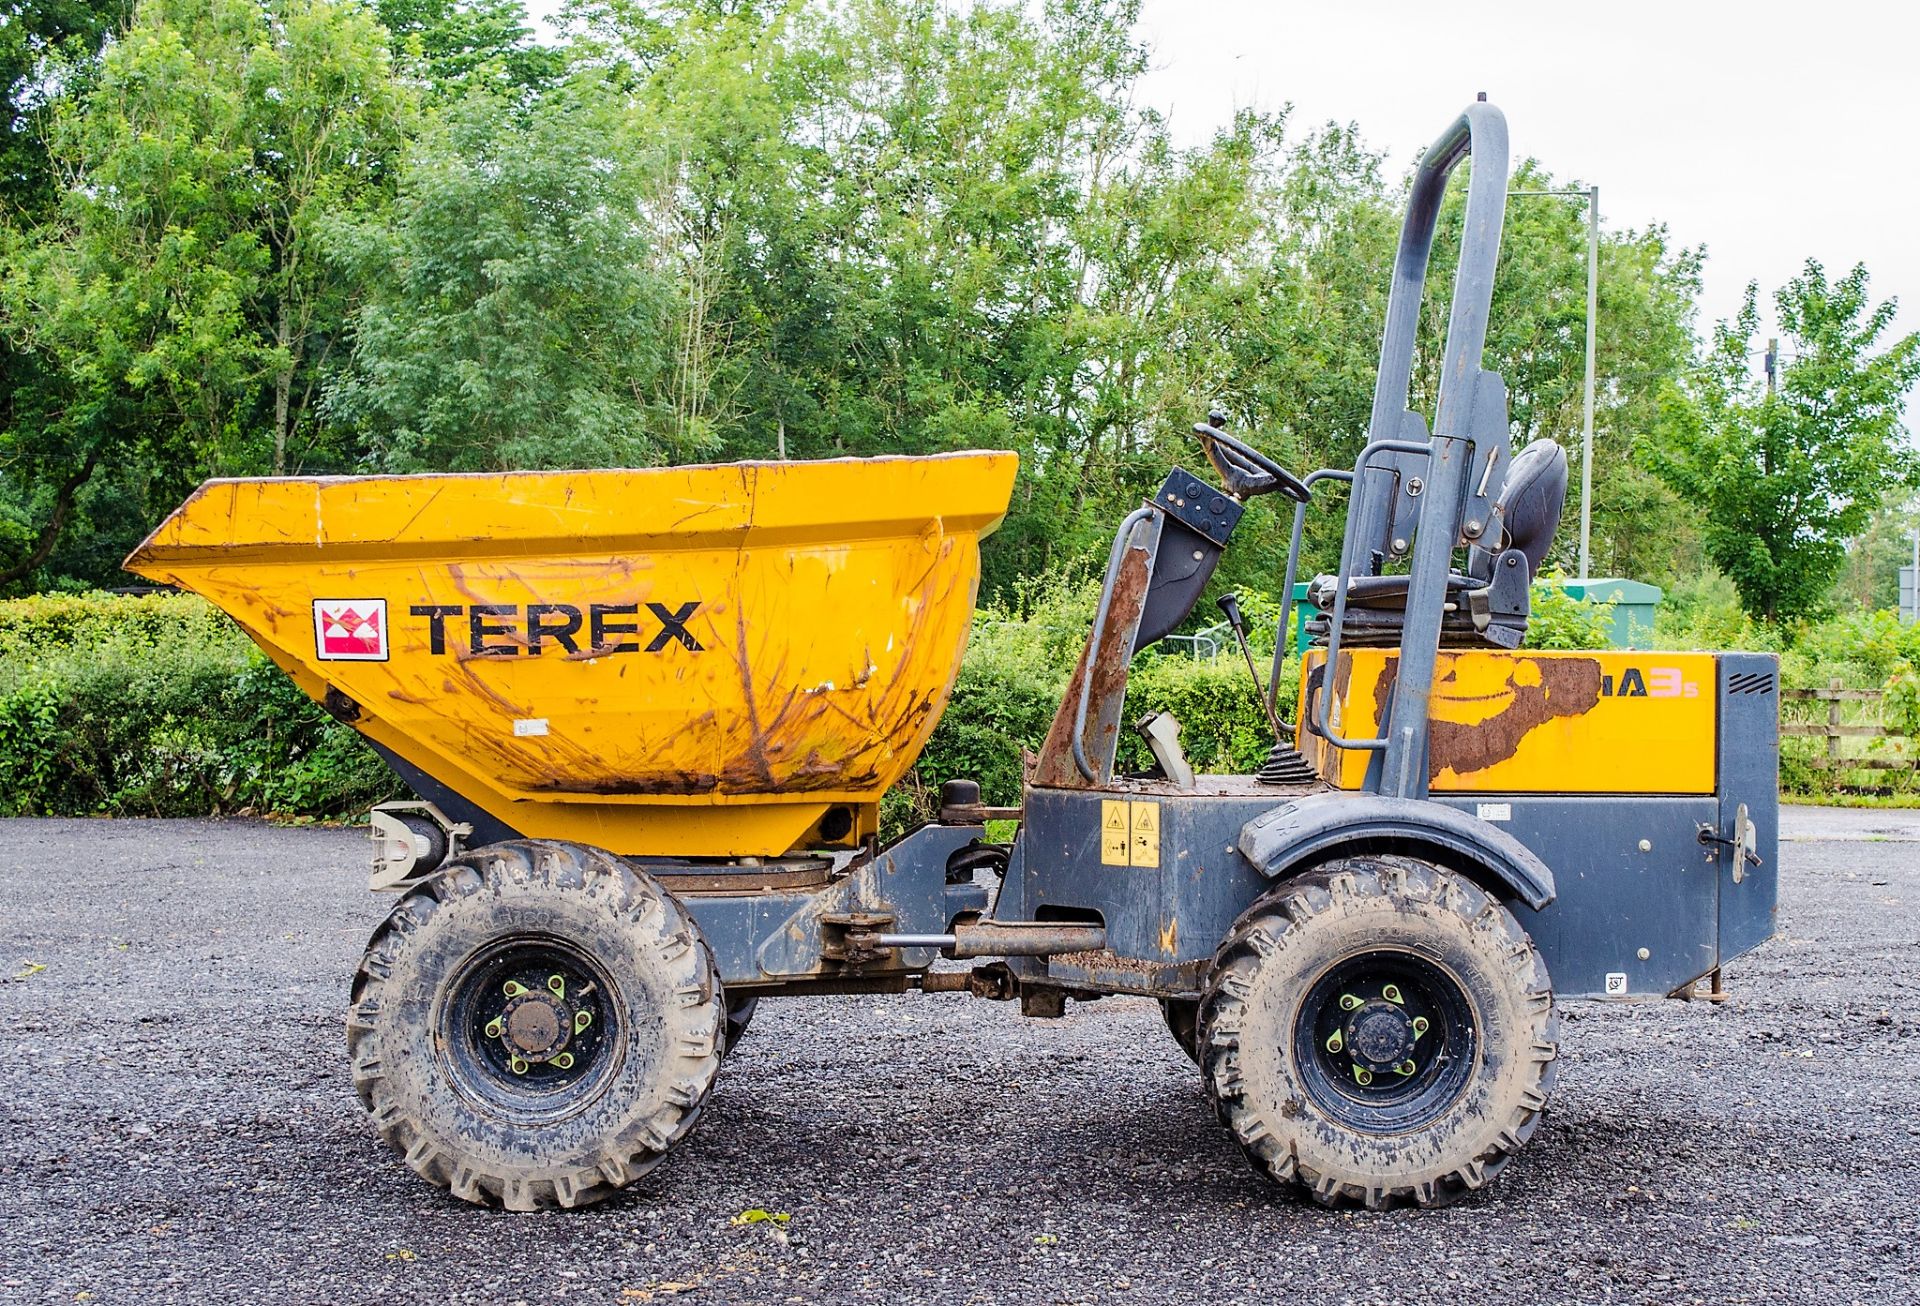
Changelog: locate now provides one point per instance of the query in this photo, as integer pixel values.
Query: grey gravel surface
(177, 1124)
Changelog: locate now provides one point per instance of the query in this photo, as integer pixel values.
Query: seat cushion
(1532, 500)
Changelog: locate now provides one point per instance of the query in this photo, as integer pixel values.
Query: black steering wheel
(1245, 469)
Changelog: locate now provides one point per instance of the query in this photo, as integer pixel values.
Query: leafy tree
(48, 48)
(512, 317)
(739, 228)
(1871, 578)
(453, 46)
(176, 291)
(1784, 478)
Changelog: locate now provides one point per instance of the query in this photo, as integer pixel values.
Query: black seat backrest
(1531, 503)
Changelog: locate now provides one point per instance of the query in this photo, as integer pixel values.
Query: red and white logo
(350, 630)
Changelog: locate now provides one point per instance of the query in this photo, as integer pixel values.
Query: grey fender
(1296, 835)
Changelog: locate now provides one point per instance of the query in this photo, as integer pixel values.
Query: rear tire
(535, 1026)
(1379, 1031)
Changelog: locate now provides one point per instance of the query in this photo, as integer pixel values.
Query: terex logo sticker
(596, 630)
(350, 630)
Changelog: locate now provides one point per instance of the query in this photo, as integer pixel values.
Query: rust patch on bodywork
(1107, 664)
(1536, 691)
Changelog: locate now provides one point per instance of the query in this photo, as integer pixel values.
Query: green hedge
(159, 706)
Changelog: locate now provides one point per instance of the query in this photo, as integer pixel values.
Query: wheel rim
(529, 1031)
(1386, 1041)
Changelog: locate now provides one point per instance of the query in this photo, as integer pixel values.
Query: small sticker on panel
(1113, 832)
(528, 726)
(1493, 811)
(1616, 984)
(350, 630)
(1145, 844)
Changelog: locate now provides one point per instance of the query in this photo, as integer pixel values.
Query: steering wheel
(1245, 469)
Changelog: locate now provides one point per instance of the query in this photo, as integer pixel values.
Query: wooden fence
(1836, 728)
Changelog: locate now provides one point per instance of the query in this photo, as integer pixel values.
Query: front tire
(535, 1026)
(1379, 1030)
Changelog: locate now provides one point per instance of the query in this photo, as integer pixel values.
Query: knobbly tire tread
(600, 904)
(1291, 1141)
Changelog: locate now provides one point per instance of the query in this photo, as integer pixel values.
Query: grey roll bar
(1480, 131)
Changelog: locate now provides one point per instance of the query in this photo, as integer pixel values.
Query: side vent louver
(1751, 682)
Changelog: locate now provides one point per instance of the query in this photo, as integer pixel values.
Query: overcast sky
(1768, 132)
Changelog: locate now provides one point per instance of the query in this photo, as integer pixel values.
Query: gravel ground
(178, 1125)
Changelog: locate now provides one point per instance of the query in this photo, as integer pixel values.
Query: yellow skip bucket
(694, 661)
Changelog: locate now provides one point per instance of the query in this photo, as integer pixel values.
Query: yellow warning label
(1113, 832)
(1144, 844)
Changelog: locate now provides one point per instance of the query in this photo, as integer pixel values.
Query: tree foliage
(1785, 477)
(513, 317)
(349, 235)
(175, 295)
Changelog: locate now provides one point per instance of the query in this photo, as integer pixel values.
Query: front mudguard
(1299, 834)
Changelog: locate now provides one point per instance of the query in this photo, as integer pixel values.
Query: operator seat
(1490, 604)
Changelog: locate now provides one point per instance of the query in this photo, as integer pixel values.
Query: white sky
(1769, 132)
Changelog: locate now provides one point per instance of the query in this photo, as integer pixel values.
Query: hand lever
(1229, 605)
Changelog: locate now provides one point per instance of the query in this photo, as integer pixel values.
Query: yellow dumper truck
(648, 718)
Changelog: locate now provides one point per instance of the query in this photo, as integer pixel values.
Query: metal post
(1909, 586)
(1586, 447)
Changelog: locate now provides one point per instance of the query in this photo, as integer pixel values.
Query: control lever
(1229, 605)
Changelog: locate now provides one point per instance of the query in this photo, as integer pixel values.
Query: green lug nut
(514, 988)
(558, 985)
(495, 1028)
(1349, 1003)
(564, 1061)
(581, 1019)
(1404, 1069)
(1362, 1076)
(1392, 994)
(1420, 1026)
(1335, 1042)
(517, 1066)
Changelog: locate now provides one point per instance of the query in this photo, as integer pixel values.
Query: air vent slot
(1751, 682)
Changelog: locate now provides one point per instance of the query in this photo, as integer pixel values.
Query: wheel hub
(537, 1022)
(1380, 1035)
(537, 1026)
(1372, 1034)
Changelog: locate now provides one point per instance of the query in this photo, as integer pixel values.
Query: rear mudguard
(1296, 835)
